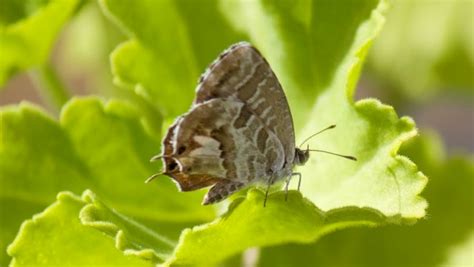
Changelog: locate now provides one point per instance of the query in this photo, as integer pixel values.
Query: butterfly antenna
(335, 154)
(313, 135)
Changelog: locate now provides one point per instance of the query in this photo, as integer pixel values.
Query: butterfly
(238, 132)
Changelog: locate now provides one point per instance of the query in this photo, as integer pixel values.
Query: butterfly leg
(220, 191)
(288, 183)
(299, 179)
(286, 187)
(269, 183)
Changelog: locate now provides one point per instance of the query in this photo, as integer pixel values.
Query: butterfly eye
(181, 150)
(172, 166)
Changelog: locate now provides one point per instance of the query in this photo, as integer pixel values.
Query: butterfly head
(301, 156)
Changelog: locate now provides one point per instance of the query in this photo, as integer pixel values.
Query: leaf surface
(163, 62)
(381, 180)
(248, 224)
(57, 237)
(103, 146)
(26, 42)
(32, 172)
(450, 188)
(331, 63)
(318, 69)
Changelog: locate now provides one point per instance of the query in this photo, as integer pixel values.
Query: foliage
(435, 58)
(95, 156)
(26, 41)
(451, 183)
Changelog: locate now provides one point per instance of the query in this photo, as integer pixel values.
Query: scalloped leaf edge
(90, 216)
(410, 132)
(331, 221)
(355, 59)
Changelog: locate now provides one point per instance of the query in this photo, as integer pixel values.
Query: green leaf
(32, 172)
(104, 146)
(281, 30)
(151, 48)
(57, 237)
(27, 42)
(204, 20)
(426, 47)
(367, 129)
(40, 165)
(381, 179)
(71, 217)
(391, 183)
(248, 224)
(130, 236)
(319, 71)
(461, 255)
(13, 11)
(112, 135)
(12, 213)
(163, 62)
(381, 182)
(449, 223)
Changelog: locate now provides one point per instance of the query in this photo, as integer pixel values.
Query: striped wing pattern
(238, 131)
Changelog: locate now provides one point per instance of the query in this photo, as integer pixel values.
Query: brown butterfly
(238, 131)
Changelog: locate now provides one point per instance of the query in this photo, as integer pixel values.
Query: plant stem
(51, 87)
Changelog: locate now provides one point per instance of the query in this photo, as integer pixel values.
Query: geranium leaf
(450, 188)
(249, 224)
(57, 237)
(104, 146)
(163, 63)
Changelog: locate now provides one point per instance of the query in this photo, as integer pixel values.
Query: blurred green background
(421, 63)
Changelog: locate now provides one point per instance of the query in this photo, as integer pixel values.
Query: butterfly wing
(239, 127)
(173, 167)
(242, 74)
(204, 146)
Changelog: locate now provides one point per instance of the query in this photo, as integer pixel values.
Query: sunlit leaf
(57, 237)
(104, 146)
(112, 142)
(427, 243)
